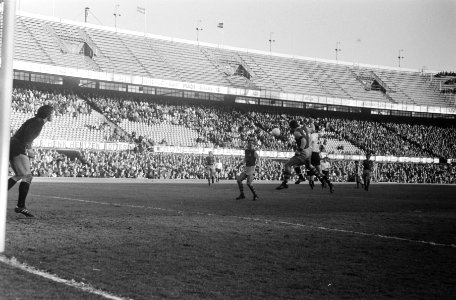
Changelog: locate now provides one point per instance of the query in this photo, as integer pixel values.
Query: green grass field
(179, 240)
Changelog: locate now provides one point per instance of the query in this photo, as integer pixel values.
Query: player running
(21, 151)
(302, 155)
(251, 160)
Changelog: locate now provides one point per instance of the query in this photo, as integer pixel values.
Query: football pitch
(151, 239)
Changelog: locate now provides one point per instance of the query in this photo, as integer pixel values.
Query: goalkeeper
(21, 151)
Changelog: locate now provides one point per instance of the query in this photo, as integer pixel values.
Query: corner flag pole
(6, 90)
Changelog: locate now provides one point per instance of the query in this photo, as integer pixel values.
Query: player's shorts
(367, 174)
(302, 158)
(20, 164)
(307, 153)
(16, 148)
(325, 173)
(297, 160)
(218, 170)
(358, 178)
(315, 159)
(249, 171)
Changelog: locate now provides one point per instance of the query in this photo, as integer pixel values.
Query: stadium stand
(103, 49)
(198, 123)
(150, 165)
(146, 116)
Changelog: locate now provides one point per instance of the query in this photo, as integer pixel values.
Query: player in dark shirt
(251, 159)
(368, 167)
(21, 151)
(210, 167)
(358, 178)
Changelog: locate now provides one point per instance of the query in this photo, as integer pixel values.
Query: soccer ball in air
(275, 132)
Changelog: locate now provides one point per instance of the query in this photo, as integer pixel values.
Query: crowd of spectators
(439, 141)
(151, 165)
(229, 126)
(135, 164)
(344, 171)
(374, 137)
(29, 99)
(217, 125)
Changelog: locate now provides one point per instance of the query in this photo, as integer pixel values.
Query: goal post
(6, 90)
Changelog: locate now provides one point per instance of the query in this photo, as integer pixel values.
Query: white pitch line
(265, 221)
(78, 285)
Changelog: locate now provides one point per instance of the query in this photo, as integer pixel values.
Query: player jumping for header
(302, 155)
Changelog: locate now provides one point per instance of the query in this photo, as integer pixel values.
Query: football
(275, 132)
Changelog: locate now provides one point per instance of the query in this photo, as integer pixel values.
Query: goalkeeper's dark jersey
(25, 135)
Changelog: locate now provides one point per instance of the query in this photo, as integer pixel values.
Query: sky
(374, 32)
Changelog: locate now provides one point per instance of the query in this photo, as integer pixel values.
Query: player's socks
(300, 177)
(23, 191)
(313, 172)
(11, 183)
(298, 172)
(323, 178)
(252, 189)
(241, 187)
(331, 186)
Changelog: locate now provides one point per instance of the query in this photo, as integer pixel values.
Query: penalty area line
(390, 237)
(12, 262)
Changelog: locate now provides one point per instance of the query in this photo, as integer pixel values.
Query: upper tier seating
(108, 50)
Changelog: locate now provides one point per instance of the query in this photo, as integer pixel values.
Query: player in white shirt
(315, 156)
(218, 170)
(325, 166)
